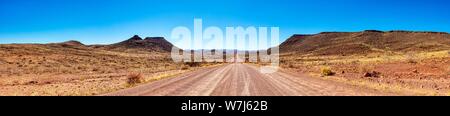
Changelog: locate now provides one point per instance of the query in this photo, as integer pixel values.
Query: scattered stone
(32, 82)
(372, 74)
(435, 86)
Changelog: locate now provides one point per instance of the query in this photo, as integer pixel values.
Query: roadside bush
(193, 64)
(135, 78)
(184, 67)
(326, 71)
(372, 74)
(365, 68)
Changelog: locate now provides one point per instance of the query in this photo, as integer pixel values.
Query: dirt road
(243, 80)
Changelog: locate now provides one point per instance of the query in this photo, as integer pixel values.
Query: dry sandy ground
(423, 73)
(245, 80)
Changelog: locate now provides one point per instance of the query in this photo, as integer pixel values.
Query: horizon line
(322, 32)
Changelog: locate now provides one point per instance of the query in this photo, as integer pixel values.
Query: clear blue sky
(110, 21)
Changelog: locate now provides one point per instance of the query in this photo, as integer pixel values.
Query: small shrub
(326, 71)
(95, 69)
(193, 64)
(365, 68)
(411, 58)
(372, 74)
(166, 64)
(135, 78)
(291, 66)
(448, 70)
(184, 68)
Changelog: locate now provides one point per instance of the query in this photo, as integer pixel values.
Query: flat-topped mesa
(154, 38)
(338, 32)
(149, 44)
(378, 31)
(331, 32)
(373, 31)
(302, 35)
(402, 31)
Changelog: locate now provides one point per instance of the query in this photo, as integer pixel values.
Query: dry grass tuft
(366, 68)
(448, 70)
(135, 78)
(411, 58)
(326, 71)
(193, 64)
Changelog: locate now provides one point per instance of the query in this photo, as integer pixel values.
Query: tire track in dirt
(244, 80)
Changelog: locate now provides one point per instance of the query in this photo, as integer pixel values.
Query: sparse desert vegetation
(427, 74)
(410, 63)
(415, 63)
(71, 68)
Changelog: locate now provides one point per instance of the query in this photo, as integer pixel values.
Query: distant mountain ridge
(135, 43)
(72, 43)
(365, 42)
(325, 43)
(159, 44)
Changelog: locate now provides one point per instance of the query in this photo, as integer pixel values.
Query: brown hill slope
(403, 62)
(366, 42)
